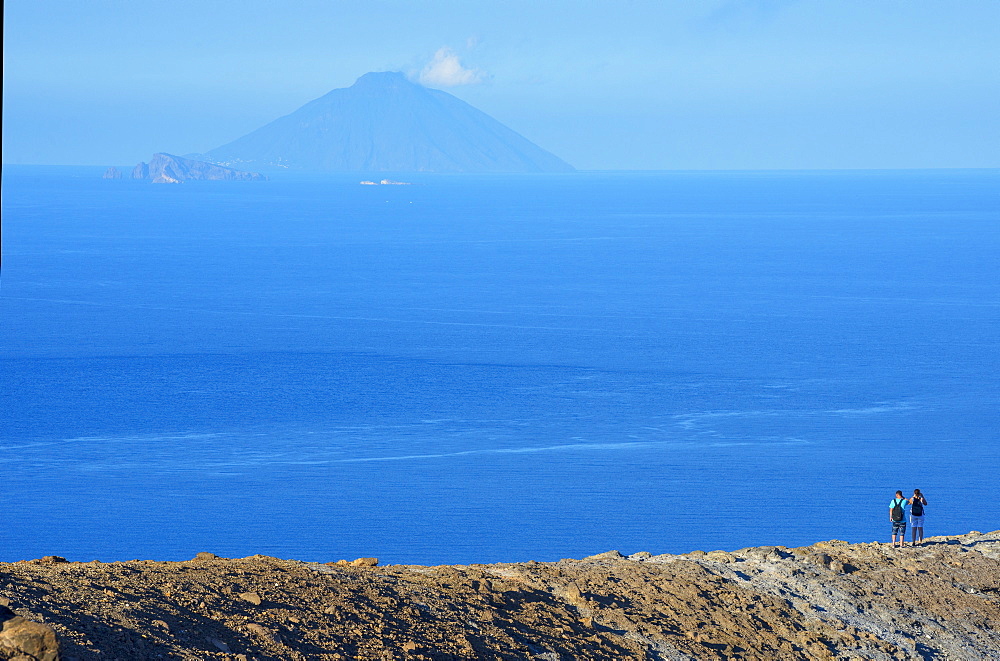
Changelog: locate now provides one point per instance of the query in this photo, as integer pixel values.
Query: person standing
(917, 505)
(897, 515)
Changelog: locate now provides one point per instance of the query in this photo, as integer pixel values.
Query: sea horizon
(519, 367)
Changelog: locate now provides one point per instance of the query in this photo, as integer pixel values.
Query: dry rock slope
(831, 600)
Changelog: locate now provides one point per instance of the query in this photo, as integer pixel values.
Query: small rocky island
(830, 600)
(169, 169)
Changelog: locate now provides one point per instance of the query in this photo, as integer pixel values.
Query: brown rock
(54, 559)
(263, 632)
(24, 639)
(365, 562)
(573, 595)
(205, 555)
(607, 555)
(720, 556)
(251, 597)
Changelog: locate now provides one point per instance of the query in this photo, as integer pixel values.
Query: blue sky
(714, 84)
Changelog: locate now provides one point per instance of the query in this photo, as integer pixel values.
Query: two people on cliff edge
(898, 507)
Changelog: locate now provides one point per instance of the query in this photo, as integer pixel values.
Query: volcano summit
(385, 123)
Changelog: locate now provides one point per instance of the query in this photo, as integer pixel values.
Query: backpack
(897, 509)
(917, 508)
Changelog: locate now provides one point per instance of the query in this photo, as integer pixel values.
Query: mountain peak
(386, 123)
(381, 79)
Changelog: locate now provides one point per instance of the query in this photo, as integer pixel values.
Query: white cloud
(445, 70)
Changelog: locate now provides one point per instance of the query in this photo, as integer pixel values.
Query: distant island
(169, 169)
(386, 123)
(385, 182)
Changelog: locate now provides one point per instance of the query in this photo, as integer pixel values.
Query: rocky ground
(830, 600)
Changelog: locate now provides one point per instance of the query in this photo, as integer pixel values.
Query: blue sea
(494, 368)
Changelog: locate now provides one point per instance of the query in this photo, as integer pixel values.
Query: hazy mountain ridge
(169, 169)
(831, 600)
(385, 123)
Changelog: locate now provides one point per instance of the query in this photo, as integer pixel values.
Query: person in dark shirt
(917, 505)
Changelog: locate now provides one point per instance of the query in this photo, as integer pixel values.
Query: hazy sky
(683, 84)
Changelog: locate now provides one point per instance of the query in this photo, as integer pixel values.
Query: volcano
(386, 123)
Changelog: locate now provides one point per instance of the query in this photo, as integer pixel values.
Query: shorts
(917, 521)
(898, 528)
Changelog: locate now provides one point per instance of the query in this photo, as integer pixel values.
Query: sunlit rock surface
(831, 600)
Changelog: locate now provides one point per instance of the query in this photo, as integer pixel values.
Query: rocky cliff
(831, 600)
(385, 123)
(170, 169)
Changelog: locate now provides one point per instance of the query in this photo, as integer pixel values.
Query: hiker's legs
(899, 528)
(917, 523)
